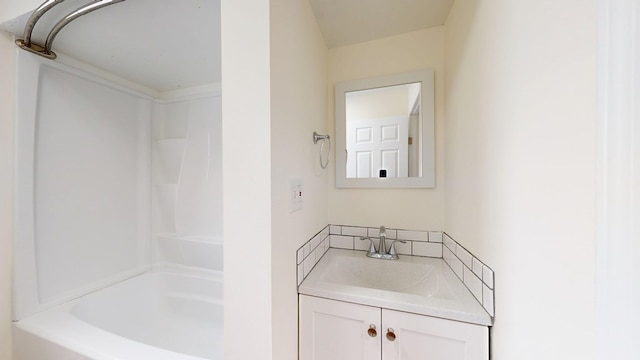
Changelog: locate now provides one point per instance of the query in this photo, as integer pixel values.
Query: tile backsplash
(419, 243)
(311, 252)
(473, 273)
(476, 276)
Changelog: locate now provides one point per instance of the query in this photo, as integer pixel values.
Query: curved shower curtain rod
(45, 50)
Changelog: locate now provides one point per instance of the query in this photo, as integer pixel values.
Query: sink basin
(414, 284)
(390, 275)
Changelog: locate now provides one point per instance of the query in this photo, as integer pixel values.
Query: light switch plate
(296, 194)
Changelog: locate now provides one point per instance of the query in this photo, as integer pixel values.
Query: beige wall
(416, 209)
(246, 153)
(520, 166)
(298, 108)
(6, 190)
(378, 103)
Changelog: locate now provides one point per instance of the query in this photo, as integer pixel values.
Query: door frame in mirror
(427, 117)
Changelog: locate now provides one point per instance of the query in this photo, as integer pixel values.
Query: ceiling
(172, 44)
(161, 44)
(346, 22)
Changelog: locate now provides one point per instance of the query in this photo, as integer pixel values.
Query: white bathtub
(166, 314)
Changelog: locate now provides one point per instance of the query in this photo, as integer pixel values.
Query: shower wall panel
(83, 190)
(91, 182)
(187, 170)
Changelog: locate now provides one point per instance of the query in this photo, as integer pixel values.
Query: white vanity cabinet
(336, 330)
(419, 337)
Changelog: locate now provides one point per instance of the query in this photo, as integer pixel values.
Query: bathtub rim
(60, 327)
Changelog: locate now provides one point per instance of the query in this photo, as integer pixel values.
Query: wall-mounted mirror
(385, 132)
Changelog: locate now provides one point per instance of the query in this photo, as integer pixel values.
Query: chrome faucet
(382, 246)
(381, 252)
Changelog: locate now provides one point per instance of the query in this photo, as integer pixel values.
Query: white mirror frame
(427, 115)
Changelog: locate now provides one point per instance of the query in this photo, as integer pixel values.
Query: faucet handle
(392, 247)
(372, 248)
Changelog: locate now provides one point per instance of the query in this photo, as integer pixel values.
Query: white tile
(300, 256)
(477, 267)
(412, 235)
(403, 249)
(487, 300)
(487, 276)
(307, 249)
(354, 231)
(375, 232)
(448, 242)
(325, 244)
(447, 255)
(320, 253)
(300, 274)
(362, 244)
(473, 283)
(342, 242)
(325, 232)
(427, 249)
(335, 230)
(316, 241)
(435, 236)
(464, 256)
(456, 266)
(308, 265)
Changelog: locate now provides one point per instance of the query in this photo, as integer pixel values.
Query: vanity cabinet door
(335, 330)
(415, 337)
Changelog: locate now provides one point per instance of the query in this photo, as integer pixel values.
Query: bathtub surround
(93, 206)
(6, 189)
(206, 253)
(187, 183)
(82, 191)
(115, 184)
(476, 276)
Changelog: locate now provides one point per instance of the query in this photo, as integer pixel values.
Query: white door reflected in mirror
(381, 126)
(385, 131)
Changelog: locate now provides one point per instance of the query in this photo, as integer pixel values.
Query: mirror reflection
(383, 132)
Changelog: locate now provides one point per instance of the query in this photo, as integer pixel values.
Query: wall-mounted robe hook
(325, 138)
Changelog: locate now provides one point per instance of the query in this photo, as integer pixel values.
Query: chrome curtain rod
(45, 50)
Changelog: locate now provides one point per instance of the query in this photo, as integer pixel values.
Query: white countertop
(420, 285)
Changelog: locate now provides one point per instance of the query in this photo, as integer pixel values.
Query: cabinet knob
(391, 335)
(372, 331)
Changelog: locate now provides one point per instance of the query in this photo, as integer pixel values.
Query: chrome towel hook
(325, 138)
